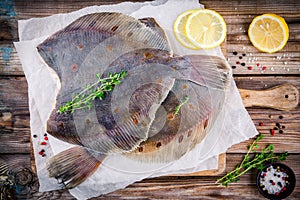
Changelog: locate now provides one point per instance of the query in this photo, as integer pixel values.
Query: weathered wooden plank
(14, 117)
(237, 14)
(167, 187)
(256, 6)
(45, 8)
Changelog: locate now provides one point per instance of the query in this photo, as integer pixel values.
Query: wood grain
(281, 97)
(15, 115)
(281, 67)
(173, 187)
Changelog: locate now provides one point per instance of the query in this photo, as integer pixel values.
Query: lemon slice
(179, 29)
(268, 33)
(205, 28)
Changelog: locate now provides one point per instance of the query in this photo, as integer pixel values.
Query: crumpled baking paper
(43, 87)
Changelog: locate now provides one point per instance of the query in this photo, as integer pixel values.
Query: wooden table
(281, 67)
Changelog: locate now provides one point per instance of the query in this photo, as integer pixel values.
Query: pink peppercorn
(272, 132)
(250, 67)
(264, 68)
(46, 138)
(43, 143)
(261, 124)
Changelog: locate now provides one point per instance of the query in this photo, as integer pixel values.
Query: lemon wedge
(268, 33)
(205, 28)
(179, 29)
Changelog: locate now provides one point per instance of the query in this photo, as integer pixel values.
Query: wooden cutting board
(282, 97)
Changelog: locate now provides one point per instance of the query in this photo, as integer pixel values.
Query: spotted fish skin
(137, 118)
(81, 50)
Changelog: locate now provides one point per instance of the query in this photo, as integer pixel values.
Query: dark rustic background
(281, 67)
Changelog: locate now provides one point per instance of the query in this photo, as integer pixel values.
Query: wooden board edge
(211, 172)
(32, 159)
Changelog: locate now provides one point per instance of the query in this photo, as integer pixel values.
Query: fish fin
(91, 30)
(62, 127)
(152, 23)
(210, 71)
(73, 166)
(3, 167)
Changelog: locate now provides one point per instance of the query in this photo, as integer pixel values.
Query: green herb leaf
(182, 102)
(93, 91)
(255, 161)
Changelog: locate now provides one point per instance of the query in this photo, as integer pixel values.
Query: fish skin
(161, 142)
(86, 38)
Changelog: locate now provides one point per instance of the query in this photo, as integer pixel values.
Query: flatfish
(138, 118)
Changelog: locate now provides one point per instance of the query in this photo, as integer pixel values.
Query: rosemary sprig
(257, 161)
(183, 101)
(98, 90)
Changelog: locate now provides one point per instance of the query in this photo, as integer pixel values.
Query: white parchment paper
(43, 86)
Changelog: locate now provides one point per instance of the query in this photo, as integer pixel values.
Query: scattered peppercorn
(35, 136)
(238, 62)
(45, 138)
(233, 67)
(234, 53)
(281, 131)
(43, 143)
(264, 68)
(261, 124)
(282, 126)
(243, 64)
(257, 64)
(40, 152)
(43, 150)
(250, 67)
(280, 117)
(244, 54)
(275, 128)
(272, 132)
(270, 116)
(240, 57)
(45, 134)
(277, 124)
(43, 155)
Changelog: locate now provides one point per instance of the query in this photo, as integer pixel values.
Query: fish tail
(73, 166)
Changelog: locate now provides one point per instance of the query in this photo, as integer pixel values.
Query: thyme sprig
(92, 91)
(183, 101)
(248, 163)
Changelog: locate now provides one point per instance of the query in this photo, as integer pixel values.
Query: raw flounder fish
(137, 118)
